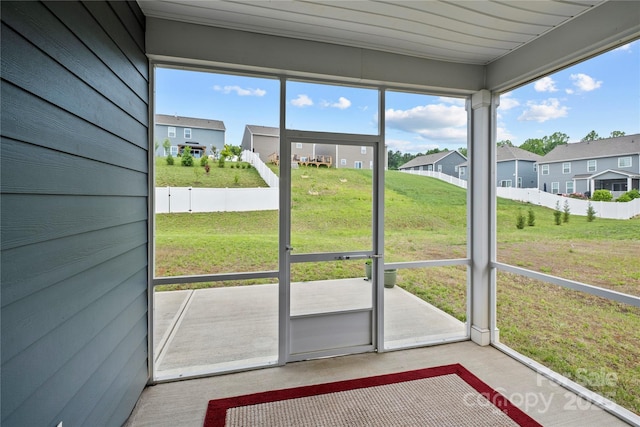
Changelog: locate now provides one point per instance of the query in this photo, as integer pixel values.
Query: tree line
(540, 146)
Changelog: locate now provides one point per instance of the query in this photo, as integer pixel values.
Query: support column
(482, 217)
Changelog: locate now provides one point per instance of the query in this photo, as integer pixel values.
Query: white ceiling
(471, 32)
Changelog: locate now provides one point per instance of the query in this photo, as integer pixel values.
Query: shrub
(624, 198)
(170, 160)
(531, 218)
(221, 161)
(591, 212)
(204, 161)
(520, 220)
(602, 196)
(557, 213)
(187, 158)
(566, 211)
(634, 194)
(236, 179)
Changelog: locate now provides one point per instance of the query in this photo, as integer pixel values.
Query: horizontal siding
(64, 131)
(74, 210)
(53, 172)
(49, 217)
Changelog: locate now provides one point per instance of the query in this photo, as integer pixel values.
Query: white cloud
(543, 111)
(240, 91)
(585, 83)
(454, 101)
(302, 101)
(433, 121)
(502, 134)
(507, 102)
(405, 146)
(624, 48)
(342, 104)
(545, 84)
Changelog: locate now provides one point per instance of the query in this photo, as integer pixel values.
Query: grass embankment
(232, 175)
(581, 336)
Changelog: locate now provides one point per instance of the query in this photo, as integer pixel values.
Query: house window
(303, 159)
(343, 162)
(363, 150)
(174, 150)
(370, 164)
(439, 168)
(566, 168)
(544, 169)
(463, 171)
(519, 182)
(555, 187)
(430, 167)
(592, 165)
(357, 164)
(505, 183)
(171, 132)
(298, 144)
(535, 167)
(624, 162)
(569, 187)
(455, 168)
(187, 133)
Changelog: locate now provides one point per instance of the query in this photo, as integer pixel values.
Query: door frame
(286, 258)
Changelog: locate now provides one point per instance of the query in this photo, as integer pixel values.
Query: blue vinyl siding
(74, 210)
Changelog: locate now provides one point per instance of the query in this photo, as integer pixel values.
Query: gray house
(77, 277)
(611, 164)
(202, 135)
(265, 141)
(516, 167)
(446, 162)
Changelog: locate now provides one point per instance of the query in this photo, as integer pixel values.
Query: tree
(616, 134)
(505, 142)
(566, 210)
(534, 145)
(551, 142)
(463, 151)
(591, 136)
(166, 144)
(187, 158)
(591, 212)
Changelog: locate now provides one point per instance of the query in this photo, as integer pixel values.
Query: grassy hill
(425, 219)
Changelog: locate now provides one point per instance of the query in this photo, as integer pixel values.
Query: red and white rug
(442, 396)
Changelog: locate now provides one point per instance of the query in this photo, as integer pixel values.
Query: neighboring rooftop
(263, 130)
(189, 122)
(427, 159)
(620, 146)
(505, 153)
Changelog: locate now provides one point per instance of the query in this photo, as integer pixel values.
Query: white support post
(482, 217)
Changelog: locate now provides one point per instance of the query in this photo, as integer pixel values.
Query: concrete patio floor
(224, 329)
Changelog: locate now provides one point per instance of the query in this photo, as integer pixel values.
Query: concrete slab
(225, 329)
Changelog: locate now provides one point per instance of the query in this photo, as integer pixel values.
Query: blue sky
(601, 94)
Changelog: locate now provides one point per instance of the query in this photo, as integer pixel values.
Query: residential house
(77, 225)
(516, 167)
(582, 167)
(265, 141)
(446, 162)
(202, 135)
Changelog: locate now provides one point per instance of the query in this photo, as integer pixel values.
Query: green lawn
(425, 218)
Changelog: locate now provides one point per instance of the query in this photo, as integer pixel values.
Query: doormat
(444, 395)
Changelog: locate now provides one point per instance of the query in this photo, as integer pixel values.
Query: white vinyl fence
(267, 174)
(188, 199)
(611, 210)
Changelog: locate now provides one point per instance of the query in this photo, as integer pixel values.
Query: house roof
(428, 159)
(624, 145)
(506, 153)
(618, 172)
(263, 130)
(189, 122)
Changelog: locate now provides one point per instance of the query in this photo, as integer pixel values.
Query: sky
(601, 94)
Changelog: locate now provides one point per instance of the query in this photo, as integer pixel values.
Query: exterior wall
(579, 167)
(74, 213)
(449, 163)
(207, 137)
(265, 145)
(506, 170)
(349, 154)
